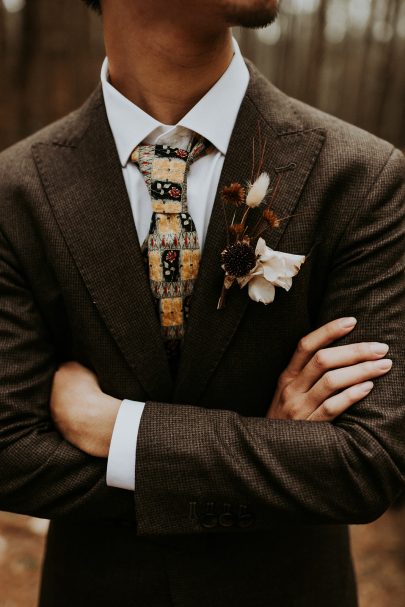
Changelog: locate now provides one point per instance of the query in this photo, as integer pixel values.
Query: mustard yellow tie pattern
(171, 248)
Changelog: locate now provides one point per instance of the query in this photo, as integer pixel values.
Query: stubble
(255, 14)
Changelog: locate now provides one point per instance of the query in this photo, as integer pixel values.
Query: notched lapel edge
(83, 181)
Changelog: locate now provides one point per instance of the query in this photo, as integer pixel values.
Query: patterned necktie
(171, 249)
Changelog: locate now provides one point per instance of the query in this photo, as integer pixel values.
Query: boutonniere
(247, 260)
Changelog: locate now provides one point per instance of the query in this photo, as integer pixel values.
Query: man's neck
(164, 78)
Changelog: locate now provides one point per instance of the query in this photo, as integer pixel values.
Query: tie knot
(164, 169)
(197, 148)
(144, 152)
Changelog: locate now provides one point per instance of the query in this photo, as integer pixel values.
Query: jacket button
(209, 519)
(226, 519)
(246, 518)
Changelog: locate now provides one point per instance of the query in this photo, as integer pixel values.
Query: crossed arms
(318, 385)
(286, 469)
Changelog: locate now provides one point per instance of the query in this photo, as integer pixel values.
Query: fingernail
(379, 348)
(367, 386)
(346, 323)
(385, 364)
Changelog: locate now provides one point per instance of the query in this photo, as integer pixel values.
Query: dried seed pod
(239, 259)
(271, 218)
(234, 194)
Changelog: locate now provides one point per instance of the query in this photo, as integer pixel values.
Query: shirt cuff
(122, 453)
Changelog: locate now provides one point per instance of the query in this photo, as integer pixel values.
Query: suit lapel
(83, 180)
(290, 149)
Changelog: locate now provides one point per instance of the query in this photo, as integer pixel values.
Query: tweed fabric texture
(227, 503)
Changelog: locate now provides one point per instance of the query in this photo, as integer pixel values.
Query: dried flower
(258, 190)
(236, 229)
(260, 267)
(271, 218)
(273, 269)
(234, 194)
(238, 259)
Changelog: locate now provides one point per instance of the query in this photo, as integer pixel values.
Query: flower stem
(244, 216)
(225, 220)
(222, 298)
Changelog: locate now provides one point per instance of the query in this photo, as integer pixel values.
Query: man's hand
(83, 414)
(320, 383)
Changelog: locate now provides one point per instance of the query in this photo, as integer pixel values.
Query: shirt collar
(213, 116)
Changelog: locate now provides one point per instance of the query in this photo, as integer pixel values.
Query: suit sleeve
(40, 473)
(199, 469)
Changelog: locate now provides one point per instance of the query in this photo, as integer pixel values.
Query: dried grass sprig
(258, 190)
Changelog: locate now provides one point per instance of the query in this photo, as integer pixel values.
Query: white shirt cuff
(122, 453)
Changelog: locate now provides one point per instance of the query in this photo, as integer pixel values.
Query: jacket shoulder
(345, 139)
(353, 153)
(345, 144)
(16, 162)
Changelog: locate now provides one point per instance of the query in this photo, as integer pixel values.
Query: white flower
(273, 269)
(258, 190)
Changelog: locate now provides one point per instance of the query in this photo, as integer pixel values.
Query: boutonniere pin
(247, 260)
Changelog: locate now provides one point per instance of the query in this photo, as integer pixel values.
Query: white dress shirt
(213, 117)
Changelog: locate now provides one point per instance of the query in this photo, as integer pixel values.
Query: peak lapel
(83, 180)
(290, 149)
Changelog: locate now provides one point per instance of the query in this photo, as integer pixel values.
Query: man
(235, 482)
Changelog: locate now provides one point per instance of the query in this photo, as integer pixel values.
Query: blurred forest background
(344, 56)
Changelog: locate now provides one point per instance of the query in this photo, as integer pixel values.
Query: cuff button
(226, 519)
(246, 518)
(208, 520)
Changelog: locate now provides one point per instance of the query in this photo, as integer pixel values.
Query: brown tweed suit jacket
(230, 508)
